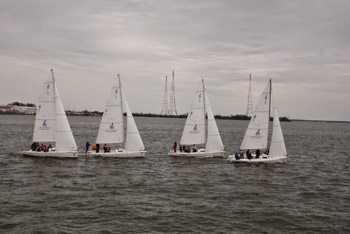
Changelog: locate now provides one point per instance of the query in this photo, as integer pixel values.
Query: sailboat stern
(117, 153)
(51, 154)
(201, 153)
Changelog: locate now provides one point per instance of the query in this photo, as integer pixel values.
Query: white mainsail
(214, 142)
(44, 126)
(278, 147)
(111, 128)
(64, 136)
(133, 141)
(194, 130)
(258, 128)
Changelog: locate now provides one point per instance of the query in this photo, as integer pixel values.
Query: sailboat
(200, 129)
(115, 130)
(52, 126)
(256, 136)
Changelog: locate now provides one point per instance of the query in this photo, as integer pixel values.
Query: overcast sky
(304, 46)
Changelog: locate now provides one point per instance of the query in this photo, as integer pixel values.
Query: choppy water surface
(310, 193)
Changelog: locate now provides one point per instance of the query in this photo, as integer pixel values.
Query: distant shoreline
(317, 120)
(17, 108)
(181, 116)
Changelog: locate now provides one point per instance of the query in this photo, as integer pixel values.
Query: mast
(269, 138)
(54, 83)
(54, 99)
(270, 99)
(53, 76)
(121, 104)
(205, 114)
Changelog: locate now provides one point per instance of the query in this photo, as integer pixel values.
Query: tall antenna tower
(172, 105)
(250, 99)
(165, 99)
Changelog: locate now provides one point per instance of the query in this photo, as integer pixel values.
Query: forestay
(133, 141)
(214, 142)
(111, 128)
(257, 132)
(278, 147)
(64, 136)
(194, 130)
(44, 126)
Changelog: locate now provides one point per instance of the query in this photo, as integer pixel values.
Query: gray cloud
(303, 46)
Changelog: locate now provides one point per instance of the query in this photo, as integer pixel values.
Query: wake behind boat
(52, 126)
(256, 136)
(112, 129)
(200, 129)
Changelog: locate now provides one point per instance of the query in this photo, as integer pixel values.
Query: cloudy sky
(304, 46)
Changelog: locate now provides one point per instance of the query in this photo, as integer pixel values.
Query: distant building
(5, 108)
(12, 109)
(28, 110)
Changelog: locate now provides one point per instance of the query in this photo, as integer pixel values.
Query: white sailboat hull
(201, 153)
(262, 159)
(51, 154)
(117, 154)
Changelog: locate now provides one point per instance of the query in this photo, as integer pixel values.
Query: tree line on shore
(137, 114)
(21, 104)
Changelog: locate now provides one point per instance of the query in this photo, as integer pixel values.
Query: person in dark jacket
(237, 156)
(175, 147)
(87, 146)
(241, 155)
(34, 146)
(97, 148)
(249, 155)
(257, 154)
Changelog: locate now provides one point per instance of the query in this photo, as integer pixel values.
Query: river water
(310, 193)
